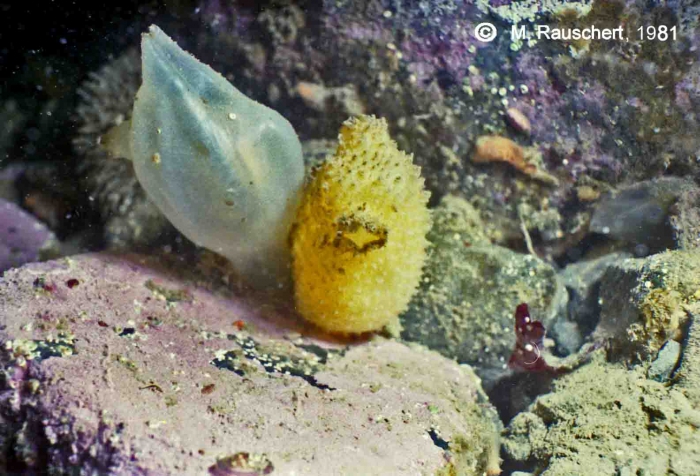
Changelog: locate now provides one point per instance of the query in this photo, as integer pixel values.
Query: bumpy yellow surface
(359, 241)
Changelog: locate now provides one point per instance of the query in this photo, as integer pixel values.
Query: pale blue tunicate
(224, 169)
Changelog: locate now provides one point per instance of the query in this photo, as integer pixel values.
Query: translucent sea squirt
(224, 169)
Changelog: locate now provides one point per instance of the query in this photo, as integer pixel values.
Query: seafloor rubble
(562, 175)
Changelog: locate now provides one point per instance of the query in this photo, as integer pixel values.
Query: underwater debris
(359, 240)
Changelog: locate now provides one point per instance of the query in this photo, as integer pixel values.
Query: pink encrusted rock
(120, 365)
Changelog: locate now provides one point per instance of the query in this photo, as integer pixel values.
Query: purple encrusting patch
(433, 41)
(22, 236)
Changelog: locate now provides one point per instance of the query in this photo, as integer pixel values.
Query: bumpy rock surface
(645, 301)
(604, 419)
(685, 219)
(116, 365)
(582, 281)
(470, 289)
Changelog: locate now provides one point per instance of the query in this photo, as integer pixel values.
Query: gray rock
(662, 368)
(582, 281)
(464, 306)
(644, 302)
(685, 219)
(639, 214)
(567, 335)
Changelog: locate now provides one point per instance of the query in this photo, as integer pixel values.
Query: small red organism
(71, 283)
(239, 324)
(529, 343)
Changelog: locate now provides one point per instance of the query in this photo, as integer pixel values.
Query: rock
(685, 219)
(456, 220)
(582, 280)
(644, 301)
(604, 419)
(688, 374)
(23, 238)
(665, 362)
(465, 303)
(568, 336)
(124, 365)
(639, 214)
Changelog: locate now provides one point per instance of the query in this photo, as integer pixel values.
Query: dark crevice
(437, 440)
(272, 363)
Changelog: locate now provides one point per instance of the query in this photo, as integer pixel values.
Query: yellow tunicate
(358, 244)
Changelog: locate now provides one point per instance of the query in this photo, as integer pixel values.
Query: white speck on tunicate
(232, 116)
(606, 230)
